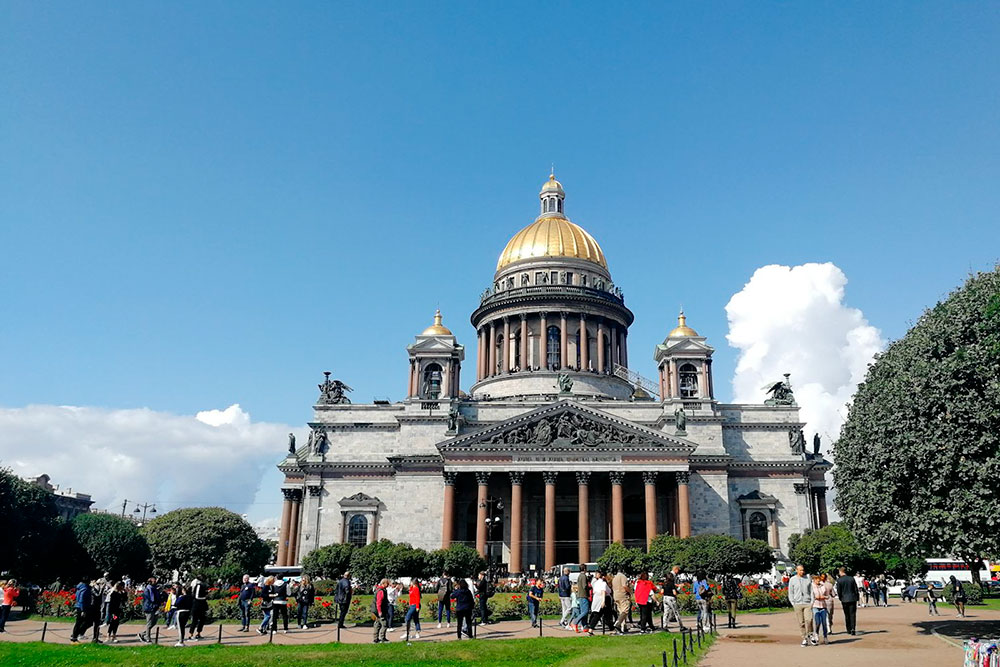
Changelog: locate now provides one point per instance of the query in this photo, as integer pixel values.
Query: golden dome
(682, 328)
(552, 237)
(437, 329)
(552, 185)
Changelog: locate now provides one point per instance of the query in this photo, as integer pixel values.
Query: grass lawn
(598, 650)
(988, 603)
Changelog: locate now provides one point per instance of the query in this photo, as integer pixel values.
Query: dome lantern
(552, 196)
(437, 329)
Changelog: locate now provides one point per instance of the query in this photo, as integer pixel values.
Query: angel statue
(331, 392)
(781, 392)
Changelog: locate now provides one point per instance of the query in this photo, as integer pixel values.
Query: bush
(328, 562)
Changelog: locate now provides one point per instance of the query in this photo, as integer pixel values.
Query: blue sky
(211, 203)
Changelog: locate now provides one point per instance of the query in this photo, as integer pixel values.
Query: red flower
(318, 598)
(233, 597)
(326, 604)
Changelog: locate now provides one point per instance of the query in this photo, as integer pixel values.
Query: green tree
(110, 543)
(919, 454)
(900, 567)
(210, 541)
(28, 528)
(328, 562)
(458, 560)
(724, 555)
(387, 559)
(831, 547)
(619, 558)
(664, 552)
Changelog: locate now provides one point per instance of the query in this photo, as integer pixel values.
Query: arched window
(553, 350)
(758, 526)
(517, 349)
(499, 346)
(559, 204)
(357, 530)
(432, 381)
(688, 376)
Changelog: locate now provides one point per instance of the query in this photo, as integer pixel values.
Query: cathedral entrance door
(567, 533)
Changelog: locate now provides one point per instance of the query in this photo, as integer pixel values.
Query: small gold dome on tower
(437, 329)
(682, 328)
(552, 185)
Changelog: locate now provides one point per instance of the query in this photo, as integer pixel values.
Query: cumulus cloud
(794, 320)
(217, 457)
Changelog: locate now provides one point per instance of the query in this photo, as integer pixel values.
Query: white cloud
(794, 320)
(217, 457)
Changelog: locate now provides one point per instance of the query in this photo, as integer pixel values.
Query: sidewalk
(902, 635)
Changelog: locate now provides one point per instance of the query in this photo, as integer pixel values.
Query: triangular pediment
(432, 345)
(697, 345)
(567, 426)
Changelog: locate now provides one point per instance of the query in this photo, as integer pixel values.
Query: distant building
(68, 503)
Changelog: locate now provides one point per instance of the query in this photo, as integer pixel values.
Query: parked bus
(942, 569)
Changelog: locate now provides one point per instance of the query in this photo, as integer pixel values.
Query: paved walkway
(902, 635)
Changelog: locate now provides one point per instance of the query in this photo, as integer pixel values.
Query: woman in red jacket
(9, 592)
(643, 594)
(414, 611)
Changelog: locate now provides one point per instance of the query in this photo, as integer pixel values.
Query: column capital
(583, 477)
(564, 314)
(820, 490)
(543, 313)
(649, 477)
(683, 477)
(524, 316)
(516, 477)
(482, 477)
(583, 316)
(450, 477)
(617, 476)
(801, 488)
(291, 494)
(550, 476)
(505, 318)
(315, 491)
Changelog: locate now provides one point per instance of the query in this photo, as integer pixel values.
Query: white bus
(942, 569)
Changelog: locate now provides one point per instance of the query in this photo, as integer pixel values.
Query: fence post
(220, 634)
(684, 652)
(539, 620)
(45, 626)
(665, 659)
(700, 631)
(270, 635)
(157, 640)
(338, 633)
(675, 651)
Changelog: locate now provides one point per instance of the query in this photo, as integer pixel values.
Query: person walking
(932, 600)
(413, 611)
(598, 597)
(305, 596)
(645, 599)
(800, 596)
(245, 597)
(670, 609)
(883, 589)
(847, 592)
(151, 600)
(831, 594)
(873, 591)
(182, 612)
(958, 597)
(279, 605)
(444, 590)
(620, 593)
(464, 604)
(342, 596)
(170, 596)
(8, 596)
(535, 593)
(862, 585)
(266, 605)
(819, 608)
(703, 598)
(583, 601)
(115, 610)
(380, 612)
(565, 598)
(731, 593)
(199, 607)
(87, 613)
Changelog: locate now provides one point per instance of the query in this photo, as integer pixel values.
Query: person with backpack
(151, 600)
(247, 591)
(342, 596)
(305, 596)
(380, 612)
(279, 605)
(199, 607)
(444, 590)
(732, 594)
(703, 598)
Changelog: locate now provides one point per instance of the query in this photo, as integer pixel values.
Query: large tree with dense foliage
(328, 562)
(387, 559)
(619, 558)
(210, 541)
(28, 528)
(457, 560)
(109, 543)
(918, 458)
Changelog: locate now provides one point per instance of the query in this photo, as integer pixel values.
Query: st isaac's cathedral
(560, 448)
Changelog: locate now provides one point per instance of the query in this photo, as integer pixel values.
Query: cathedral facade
(559, 448)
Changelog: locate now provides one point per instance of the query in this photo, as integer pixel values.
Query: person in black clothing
(279, 605)
(247, 591)
(483, 589)
(199, 607)
(464, 604)
(305, 597)
(847, 591)
(115, 609)
(182, 610)
(958, 596)
(731, 593)
(88, 611)
(342, 596)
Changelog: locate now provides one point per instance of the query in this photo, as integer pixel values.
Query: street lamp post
(494, 519)
(150, 507)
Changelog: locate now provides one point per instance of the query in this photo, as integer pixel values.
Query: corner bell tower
(685, 363)
(435, 364)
